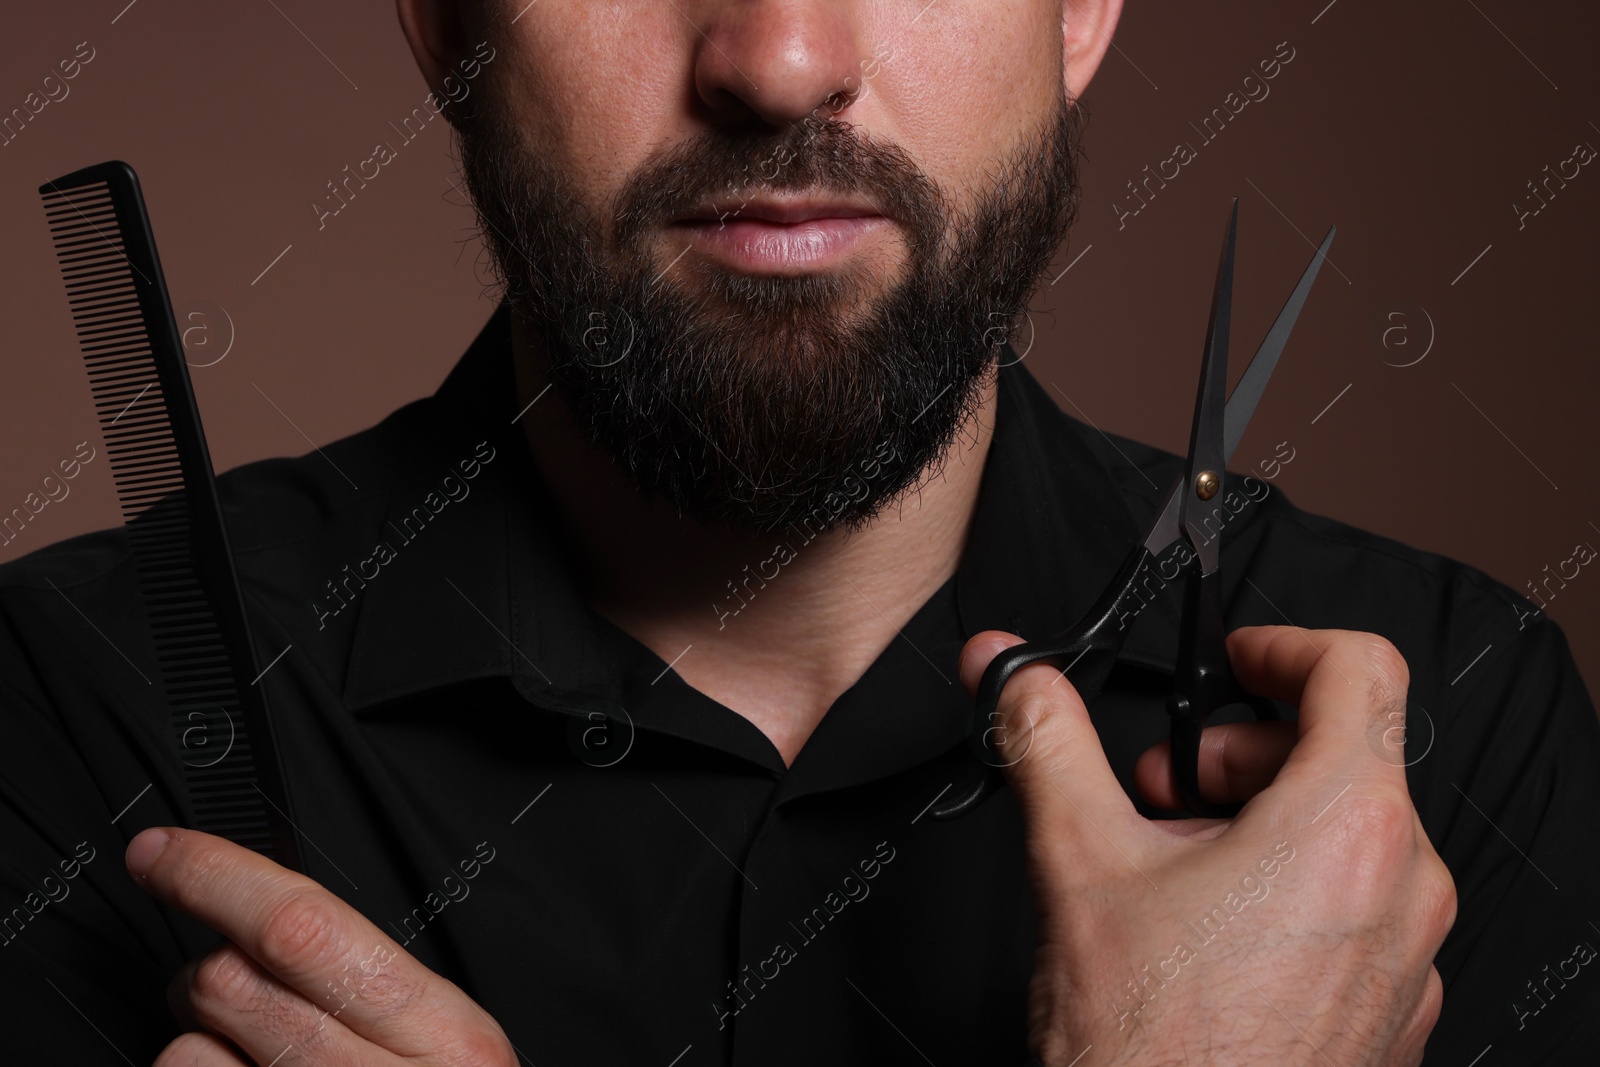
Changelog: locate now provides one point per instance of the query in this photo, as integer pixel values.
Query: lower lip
(779, 247)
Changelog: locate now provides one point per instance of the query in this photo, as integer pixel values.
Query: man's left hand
(304, 977)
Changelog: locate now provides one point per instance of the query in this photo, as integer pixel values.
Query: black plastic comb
(207, 663)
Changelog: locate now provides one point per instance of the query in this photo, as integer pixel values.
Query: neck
(774, 629)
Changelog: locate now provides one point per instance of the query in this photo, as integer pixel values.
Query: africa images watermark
(855, 889)
(12, 125)
(343, 591)
(410, 128)
(1582, 554)
(821, 518)
(53, 488)
(15, 921)
(1226, 507)
(455, 890)
(1582, 154)
(1211, 126)
(1143, 987)
(1554, 981)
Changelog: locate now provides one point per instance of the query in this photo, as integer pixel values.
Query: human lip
(778, 235)
(774, 209)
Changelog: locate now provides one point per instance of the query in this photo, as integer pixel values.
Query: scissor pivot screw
(1206, 484)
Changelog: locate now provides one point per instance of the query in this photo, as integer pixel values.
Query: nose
(776, 61)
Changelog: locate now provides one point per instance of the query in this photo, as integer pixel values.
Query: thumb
(1047, 747)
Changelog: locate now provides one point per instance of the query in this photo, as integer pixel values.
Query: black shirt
(619, 869)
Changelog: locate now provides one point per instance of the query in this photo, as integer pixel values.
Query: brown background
(1412, 126)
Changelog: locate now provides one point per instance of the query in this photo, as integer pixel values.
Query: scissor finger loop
(1203, 684)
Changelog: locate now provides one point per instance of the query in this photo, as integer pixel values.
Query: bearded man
(615, 699)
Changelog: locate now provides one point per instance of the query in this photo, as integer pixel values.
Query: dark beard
(757, 399)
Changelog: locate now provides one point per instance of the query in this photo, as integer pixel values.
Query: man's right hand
(1302, 931)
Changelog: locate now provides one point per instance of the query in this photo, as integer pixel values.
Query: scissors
(1085, 652)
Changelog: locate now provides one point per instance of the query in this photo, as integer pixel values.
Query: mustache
(745, 398)
(813, 154)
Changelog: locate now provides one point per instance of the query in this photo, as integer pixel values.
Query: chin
(840, 295)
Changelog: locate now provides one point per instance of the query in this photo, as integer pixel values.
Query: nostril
(837, 102)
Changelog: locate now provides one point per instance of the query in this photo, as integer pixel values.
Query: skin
(954, 109)
(1334, 966)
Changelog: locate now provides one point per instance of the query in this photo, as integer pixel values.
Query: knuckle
(1378, 839)
(1431, 1006)
(1042, 753)
(1383, 813)
(1023, 714)
(1027, 711)
(225, 978)
(227, 985)
(1388, 667)
(302, 931)
(389, 994)
(1037, 701)
(1437, 900)
(299, 1025)
(1420, 1020)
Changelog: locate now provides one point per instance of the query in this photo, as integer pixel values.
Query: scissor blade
(1205, 437)
(1246, 395)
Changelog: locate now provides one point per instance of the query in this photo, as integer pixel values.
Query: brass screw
(1206, 484)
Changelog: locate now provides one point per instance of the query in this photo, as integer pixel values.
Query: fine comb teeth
(207, 664)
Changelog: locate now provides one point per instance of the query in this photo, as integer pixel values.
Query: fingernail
(143, 850)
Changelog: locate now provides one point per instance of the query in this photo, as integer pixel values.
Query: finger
(300, 933)
(227, 993)
(1350, 687)
(1237, 761)
(1279, 661)
(976, 654)
(1051, 753)
(199, 1050)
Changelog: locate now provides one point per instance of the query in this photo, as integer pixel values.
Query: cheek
(961, 86)
(967, 82)
(599, 118)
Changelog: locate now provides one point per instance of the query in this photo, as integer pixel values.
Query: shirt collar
(1061, 506)
(485, 589)
(1051, 523)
